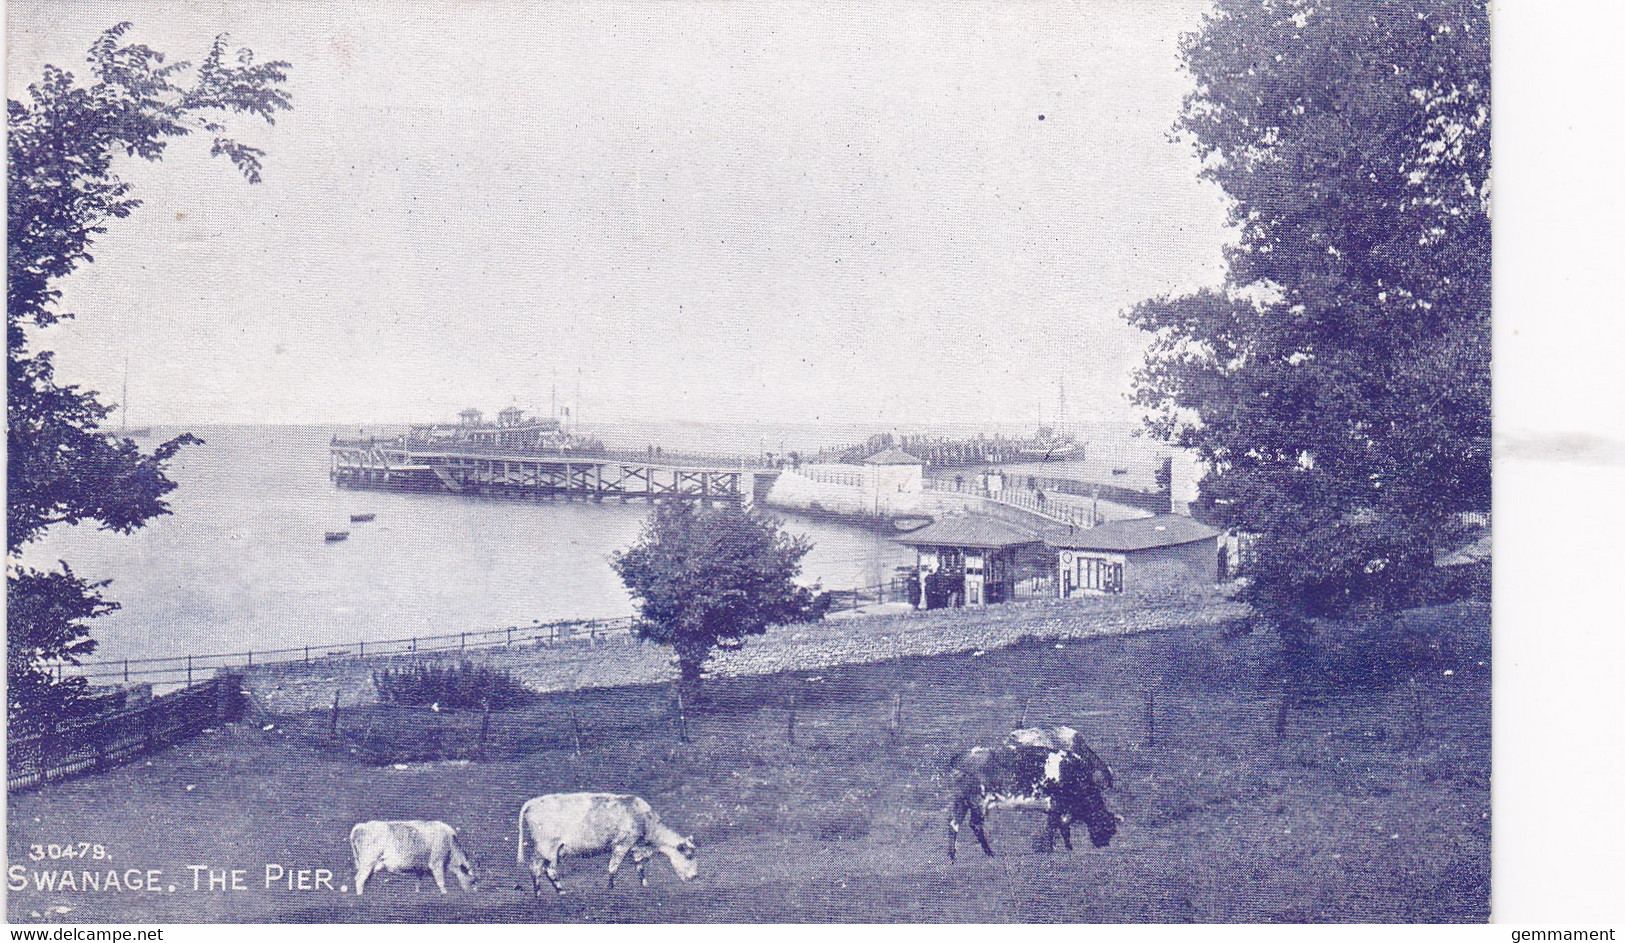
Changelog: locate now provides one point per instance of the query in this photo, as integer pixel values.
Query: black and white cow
(1063, 738)
(1027, 778)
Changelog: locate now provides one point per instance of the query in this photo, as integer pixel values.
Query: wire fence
(895, 590)
(186, 669)
(191, 668)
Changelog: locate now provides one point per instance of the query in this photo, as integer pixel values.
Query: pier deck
(388, 465)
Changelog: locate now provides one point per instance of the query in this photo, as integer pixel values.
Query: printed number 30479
(83, 849)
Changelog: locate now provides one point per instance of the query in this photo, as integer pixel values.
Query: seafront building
(1164, 550)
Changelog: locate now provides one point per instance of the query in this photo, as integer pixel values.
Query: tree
(1337, 383)
(63, 189)
(706, 578)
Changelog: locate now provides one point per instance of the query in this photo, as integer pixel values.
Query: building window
(1100, 575)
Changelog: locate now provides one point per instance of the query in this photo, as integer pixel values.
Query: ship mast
(1060, 411)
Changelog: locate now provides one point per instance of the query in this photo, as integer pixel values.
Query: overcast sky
(769, 211)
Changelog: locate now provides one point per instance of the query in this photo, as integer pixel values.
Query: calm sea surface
(241, 562)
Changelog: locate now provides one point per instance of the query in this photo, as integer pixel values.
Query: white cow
(595, 823)
(409, 847)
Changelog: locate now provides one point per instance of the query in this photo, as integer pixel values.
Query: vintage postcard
(788, 462)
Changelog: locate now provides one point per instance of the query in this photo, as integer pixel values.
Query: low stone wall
(622, 661)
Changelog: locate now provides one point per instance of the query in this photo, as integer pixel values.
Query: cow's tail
(523, 837)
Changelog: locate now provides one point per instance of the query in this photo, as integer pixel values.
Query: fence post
(363, 648)
(44, 757)
(126, 671)
(228, 696)
(251, 659)
(188, 669)
(307, 654)
(333, 724)
(509, 643)
(1419, 711)
(414, 644)
(682, 716)
(463, 644)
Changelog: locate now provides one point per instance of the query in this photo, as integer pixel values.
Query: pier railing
(1032, 501)
(847, 475)
(673, 458)
(185, 669)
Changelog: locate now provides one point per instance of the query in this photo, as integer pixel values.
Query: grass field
(1374, 807)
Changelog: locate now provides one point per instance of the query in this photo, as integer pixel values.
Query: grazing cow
(1025, 778)
(1064, 738)
(409, 847)
(595, 823)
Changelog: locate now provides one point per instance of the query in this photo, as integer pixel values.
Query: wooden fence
(106, 740)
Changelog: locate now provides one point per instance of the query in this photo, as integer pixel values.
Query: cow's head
(461, 867)
(1102, 822)
(681, 855)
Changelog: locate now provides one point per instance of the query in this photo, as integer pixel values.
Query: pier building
(972, 560)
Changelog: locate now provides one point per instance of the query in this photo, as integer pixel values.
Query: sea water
(241, 563)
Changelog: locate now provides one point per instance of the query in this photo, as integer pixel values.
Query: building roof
(892, 456)
(1142, 533)
(969, 530)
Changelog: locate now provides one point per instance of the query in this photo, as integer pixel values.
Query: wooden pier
(400, 466)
